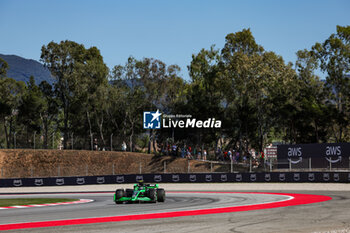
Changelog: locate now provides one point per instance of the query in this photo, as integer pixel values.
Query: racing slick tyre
(119, 193)
(152, 194)
(160, 195)
(129, 192)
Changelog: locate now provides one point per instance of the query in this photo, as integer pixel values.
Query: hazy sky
(167, 30)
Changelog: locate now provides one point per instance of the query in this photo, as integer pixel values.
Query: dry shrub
(15, 163)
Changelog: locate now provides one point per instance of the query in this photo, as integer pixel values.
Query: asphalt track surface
(328, 216)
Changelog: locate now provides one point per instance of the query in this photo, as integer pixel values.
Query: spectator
(189, 156)
(199, 155)
(229, 154)
(123, 146)
(204, 155)
(95, 144)
(174, 148)
(237, 156)
(183, 152)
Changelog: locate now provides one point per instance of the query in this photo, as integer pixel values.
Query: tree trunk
(131, 135)
(154, 141)
(6, 135)
(149, 141)
(10, 135)
(100, 126)
(65, 129)
(90, 131)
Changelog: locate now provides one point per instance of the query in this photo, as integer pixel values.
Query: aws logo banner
(332, 152)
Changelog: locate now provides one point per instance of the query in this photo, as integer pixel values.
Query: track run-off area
(188, 208)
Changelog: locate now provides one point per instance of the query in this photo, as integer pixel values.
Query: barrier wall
(283, 177)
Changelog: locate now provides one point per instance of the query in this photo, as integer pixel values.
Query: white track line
(48, 204)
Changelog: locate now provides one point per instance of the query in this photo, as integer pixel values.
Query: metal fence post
(231, 165)
(58, 170)
(330, 165)
(140, 168)
(270, 164)
(31, 172)
(290, 165)
(164, 166)
(113, 169)
(188, 166)
(34, 139)
(250, 164)
(87, 170)
(53, 140)
(111, 142)
(310, 168)
(211, 166)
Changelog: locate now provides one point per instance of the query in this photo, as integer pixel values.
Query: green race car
(141, 193)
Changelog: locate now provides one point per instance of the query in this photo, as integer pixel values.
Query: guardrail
(282, 177)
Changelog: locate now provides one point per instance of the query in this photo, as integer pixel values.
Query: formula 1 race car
(141, 193)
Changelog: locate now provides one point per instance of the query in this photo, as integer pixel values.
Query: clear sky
(167, 30)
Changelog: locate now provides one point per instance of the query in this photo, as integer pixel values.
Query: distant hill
(21, 69)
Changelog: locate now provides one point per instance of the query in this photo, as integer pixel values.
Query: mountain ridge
(21, 69)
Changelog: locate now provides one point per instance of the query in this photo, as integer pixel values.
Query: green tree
(31, 109)
(50, 111)
(3, 68)
(334, 58)
(205, 96)
(313, 116)
(11, 93)
(78, 72)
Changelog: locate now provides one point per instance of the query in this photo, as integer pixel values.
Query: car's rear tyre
(152, 194)
(119, 193)
(129, 192)
(160, 195)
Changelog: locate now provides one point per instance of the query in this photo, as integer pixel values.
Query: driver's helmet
(140, 182)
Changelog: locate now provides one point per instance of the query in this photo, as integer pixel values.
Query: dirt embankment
(50, 163)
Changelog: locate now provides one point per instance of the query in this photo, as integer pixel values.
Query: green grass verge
(31, 201)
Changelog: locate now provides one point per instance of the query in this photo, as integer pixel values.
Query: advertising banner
(331, 152)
